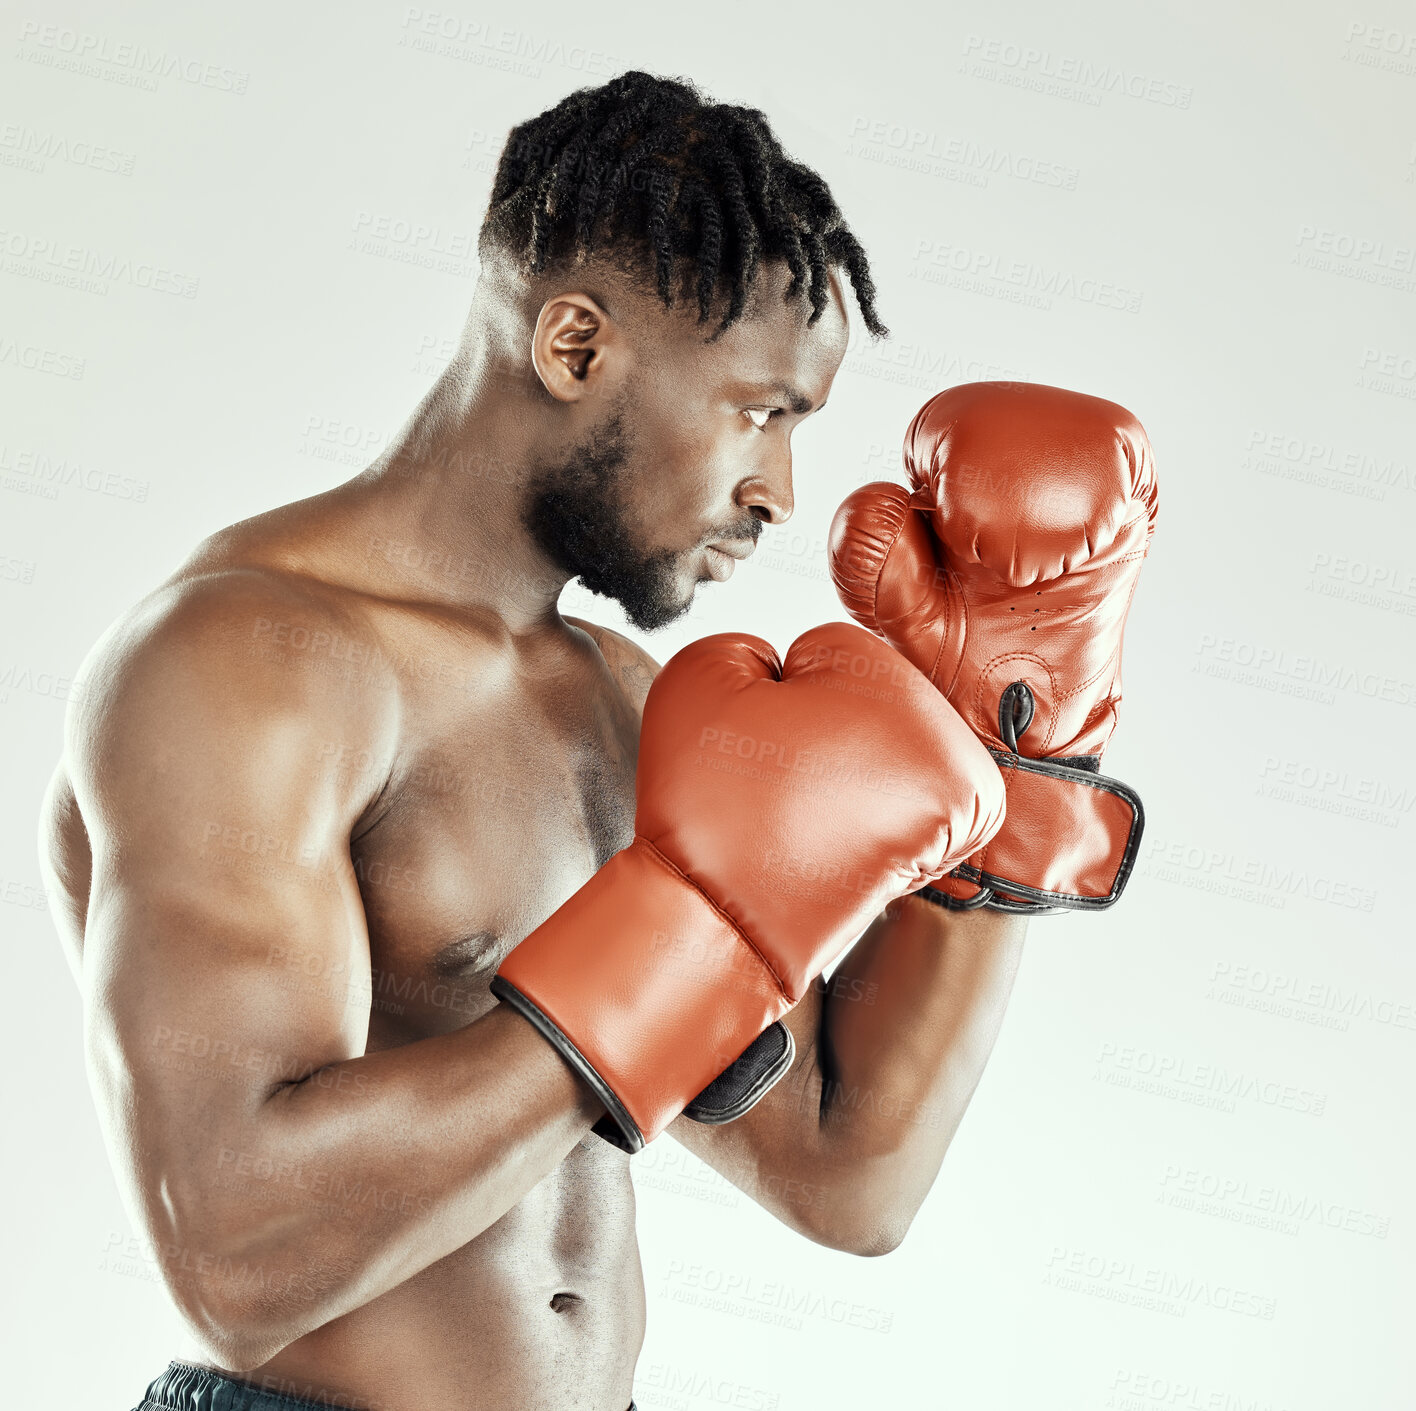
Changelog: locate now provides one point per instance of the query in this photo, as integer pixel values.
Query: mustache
(749, 529)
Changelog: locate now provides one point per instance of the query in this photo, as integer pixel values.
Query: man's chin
(669, 601)
(654, 617)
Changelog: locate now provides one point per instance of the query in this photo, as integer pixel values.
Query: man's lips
(734, 548)
(721, 562)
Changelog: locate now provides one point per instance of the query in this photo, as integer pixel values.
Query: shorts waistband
(183, 1387)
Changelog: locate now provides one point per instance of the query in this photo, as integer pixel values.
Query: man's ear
(576, 347)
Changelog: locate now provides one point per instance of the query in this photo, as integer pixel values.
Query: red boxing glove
(1005, 574)
(685, 946)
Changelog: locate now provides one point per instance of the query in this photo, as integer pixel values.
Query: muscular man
(322, 781)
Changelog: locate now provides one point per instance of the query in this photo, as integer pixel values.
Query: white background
(1185, 1181)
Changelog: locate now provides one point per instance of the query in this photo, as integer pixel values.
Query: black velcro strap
(743, 1082)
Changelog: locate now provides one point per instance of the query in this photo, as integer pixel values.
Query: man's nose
(768, 493)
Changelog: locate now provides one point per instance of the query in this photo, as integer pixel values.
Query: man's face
(693, 452)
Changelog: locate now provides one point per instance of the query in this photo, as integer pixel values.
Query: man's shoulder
(232, 642)
(214, 614)
(629, 663)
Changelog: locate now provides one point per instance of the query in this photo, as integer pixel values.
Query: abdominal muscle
(544, 1311)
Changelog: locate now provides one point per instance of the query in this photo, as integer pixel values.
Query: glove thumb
(891, 576)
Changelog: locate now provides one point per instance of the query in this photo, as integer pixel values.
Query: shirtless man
(325, 778)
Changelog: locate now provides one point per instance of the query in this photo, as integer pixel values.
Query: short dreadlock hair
(679, 190)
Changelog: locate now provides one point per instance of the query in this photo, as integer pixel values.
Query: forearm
(908, 1022)
(336, 1188)
(889, 1052)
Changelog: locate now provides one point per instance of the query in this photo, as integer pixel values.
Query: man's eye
(760, 416)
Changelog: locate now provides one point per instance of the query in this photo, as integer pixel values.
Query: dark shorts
(184, 1388)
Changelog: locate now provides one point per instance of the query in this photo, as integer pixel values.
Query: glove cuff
(649, 991)
(617, 1126)
(1068, 842)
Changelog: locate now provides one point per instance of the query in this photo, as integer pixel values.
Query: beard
(576, 514)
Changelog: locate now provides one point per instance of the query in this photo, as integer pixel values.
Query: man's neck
(441, 510)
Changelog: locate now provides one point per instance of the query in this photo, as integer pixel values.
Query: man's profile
(315, 792)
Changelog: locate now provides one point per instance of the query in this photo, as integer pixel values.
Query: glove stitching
(954, 592)
(939, 653)
(1113, 661)
(738, 931)
(980, 706)
(884, 558)
(925, 504)
(1141, 513)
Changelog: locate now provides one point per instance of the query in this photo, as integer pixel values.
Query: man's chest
(496, 815)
